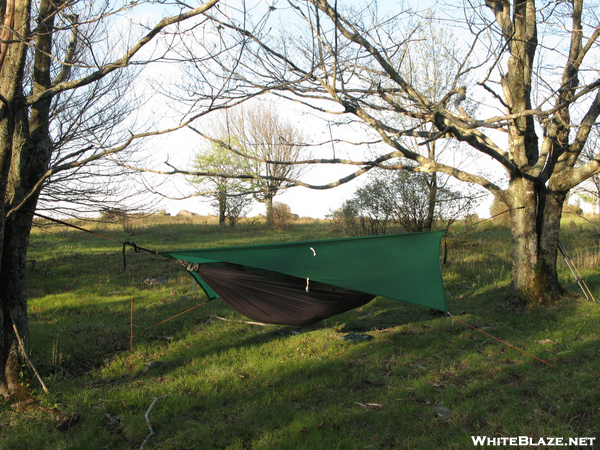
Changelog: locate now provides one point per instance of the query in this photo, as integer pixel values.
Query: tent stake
(586, 291)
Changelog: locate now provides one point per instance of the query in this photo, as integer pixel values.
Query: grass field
(421, 382)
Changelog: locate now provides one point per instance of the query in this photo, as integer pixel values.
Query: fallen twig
(148, 421)
(240, 321)
(369, 405)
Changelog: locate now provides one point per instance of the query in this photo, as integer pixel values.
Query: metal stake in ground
(576, 274)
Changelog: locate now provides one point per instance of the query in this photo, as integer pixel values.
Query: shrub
(572, 209)
(346, 219)
(114, 215)
(500, 212)
(282, 217)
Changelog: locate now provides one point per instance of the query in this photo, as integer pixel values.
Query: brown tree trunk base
(22, 401)
(515, 301)
(10, 386)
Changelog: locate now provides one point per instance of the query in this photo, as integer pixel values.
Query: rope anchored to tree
(135, 247)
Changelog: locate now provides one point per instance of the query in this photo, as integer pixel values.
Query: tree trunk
(269, 204)
(13, 301)
(26, 133)
(433, 189)
(222, 200)
(535, 226)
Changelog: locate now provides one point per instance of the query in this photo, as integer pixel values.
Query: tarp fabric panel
(205, 287)
(403, 267)
(281, 299)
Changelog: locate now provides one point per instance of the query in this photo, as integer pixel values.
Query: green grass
(232, 385)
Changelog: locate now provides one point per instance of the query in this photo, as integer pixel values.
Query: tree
(35, 69)
(282, 216)
(260, 134)
(405, 198)
(370, 209)
(534, 66)
(81, 122)
(433, 61)
(416, 210)
(237, 208)
(229, 195)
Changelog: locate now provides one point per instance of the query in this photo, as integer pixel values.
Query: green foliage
(221, 164)
(345, 219)
(24, 376)
(282, 217)
(500, 212)
(251, 141)
(232, 385)
(371, 208)
(588, 198)
(413, 200)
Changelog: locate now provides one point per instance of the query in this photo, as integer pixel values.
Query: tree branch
(124, 60)
(151, 432)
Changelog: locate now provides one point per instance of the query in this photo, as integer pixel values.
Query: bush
(500, 212)
(236, 209)
(282, 217)
(572, 209)
(346, 219)
(114, 215)
(416, 201)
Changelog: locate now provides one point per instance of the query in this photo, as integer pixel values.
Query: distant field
(421, 382)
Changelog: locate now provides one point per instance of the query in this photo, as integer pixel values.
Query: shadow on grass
(406, 372)
(232, 385)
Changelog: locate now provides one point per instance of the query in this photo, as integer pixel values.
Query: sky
(179, 148)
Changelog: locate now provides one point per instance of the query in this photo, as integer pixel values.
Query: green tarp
(403, 267)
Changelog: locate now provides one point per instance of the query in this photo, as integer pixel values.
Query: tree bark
(31, 150)
(433, 191)
(13, 238)
(26, 150)
(535, 226)
(14, 301)
(268, 201)
(222, 200)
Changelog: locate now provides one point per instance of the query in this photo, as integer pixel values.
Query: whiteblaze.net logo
(533, 442)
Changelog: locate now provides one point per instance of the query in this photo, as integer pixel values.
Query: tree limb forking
(70, 53)
(125, 59)
(82, 162)
(352, 34)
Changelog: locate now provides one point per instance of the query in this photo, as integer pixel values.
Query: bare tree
(45, 36)
(83, 121)
(260, 134)
(534, 68)
(433, 60)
